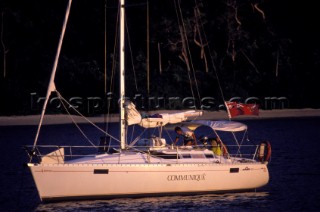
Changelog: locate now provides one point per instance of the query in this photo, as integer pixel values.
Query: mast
(122, 75)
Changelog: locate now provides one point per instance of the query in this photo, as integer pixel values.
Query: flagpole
(229, 114)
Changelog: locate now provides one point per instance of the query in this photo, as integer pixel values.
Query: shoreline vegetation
(51, 119)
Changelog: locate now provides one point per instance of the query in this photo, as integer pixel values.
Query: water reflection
(245, 200)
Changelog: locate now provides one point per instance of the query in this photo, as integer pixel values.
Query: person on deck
(215, 144)
(218, 148)
(189, 138)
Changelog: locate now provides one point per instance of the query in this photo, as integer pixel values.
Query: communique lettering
(196, 177)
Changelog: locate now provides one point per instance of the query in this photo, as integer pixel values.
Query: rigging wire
(137, 138)
(242, 140)
(131, 55)
(148, 50)
(213, 64)
(81, 131)
(106, 125)
(132, 64)
(132, 132)
(130, 5)
(114, 51)
(186, 48)
(187, 62)
(111, 88)
(52, 86)
(200, 43)
(169, 136)
(85, 118)
(115, 55)
(105, 47)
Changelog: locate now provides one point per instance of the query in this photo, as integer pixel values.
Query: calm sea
(294, 173)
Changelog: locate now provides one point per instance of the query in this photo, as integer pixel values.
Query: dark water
(294, 173)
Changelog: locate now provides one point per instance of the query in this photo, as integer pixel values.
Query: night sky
(275, 55)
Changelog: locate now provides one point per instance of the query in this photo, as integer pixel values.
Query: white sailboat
(150, 166)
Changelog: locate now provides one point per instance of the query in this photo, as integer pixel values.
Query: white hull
(85, 180)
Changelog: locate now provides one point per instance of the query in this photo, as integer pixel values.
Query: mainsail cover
(156, 120)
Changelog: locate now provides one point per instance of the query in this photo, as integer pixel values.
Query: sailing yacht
(148, 166)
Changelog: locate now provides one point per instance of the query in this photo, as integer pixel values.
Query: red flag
(236, 109)
(232, 109)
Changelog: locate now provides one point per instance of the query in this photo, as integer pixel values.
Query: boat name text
(196, 177)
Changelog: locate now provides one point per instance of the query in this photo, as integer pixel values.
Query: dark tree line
(256, 48)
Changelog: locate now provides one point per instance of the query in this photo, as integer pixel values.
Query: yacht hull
(87, 181)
